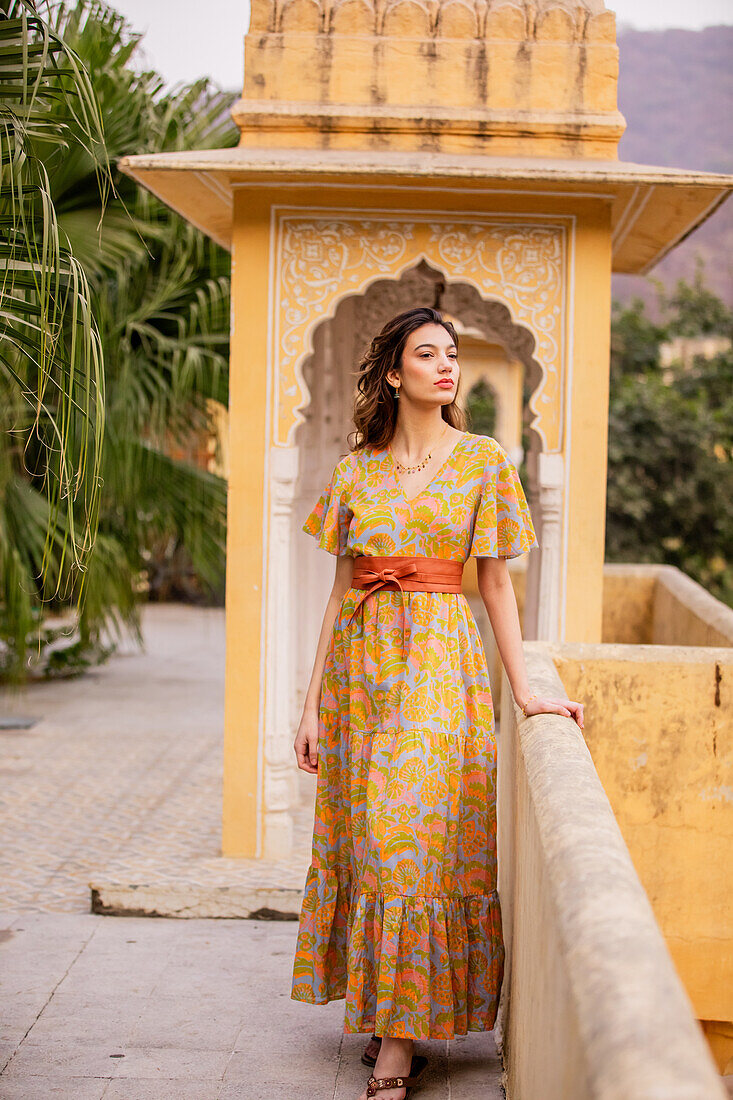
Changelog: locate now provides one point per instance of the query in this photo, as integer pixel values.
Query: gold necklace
(420, 465)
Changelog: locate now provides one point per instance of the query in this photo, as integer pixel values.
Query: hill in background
(676, 93)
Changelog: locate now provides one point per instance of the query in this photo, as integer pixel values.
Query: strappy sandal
(367, 1058)
(379, 1084)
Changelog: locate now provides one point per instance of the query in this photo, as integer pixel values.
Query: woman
(401, 914)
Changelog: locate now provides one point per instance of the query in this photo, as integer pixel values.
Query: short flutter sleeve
(329, 521)
(503, 527)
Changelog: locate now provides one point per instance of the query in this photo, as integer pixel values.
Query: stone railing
(592, 1005)
(661, 605)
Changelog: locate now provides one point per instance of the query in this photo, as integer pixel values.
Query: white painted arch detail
(322, 255)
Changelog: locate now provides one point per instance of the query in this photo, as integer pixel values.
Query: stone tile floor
(132, 1008)
(121, 776)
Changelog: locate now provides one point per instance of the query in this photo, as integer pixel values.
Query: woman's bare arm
(497, 592)
(306, 740)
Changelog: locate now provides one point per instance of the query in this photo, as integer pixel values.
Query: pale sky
(181, 45)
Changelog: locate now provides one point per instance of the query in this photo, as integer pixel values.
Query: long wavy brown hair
(375, 406)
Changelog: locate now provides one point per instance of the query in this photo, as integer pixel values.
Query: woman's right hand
(569, 708)
(306, 742)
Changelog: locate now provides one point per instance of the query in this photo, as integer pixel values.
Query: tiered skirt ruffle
(411, 966)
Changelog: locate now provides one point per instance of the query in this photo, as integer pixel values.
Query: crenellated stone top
(507, 77)
(520, 20)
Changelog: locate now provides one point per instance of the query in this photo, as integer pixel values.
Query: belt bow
(378, 578)
(420, 573)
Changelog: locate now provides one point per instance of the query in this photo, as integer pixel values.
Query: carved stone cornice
(551, 20)
(509, 77)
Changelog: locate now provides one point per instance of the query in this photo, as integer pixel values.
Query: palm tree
(51, 376)
(160, 296)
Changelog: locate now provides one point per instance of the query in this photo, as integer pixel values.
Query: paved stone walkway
(121, 776)
(132, 1008)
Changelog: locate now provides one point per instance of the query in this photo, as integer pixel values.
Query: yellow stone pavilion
(454, 153)
(459, 153)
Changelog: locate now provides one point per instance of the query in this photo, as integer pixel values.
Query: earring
(397, 391)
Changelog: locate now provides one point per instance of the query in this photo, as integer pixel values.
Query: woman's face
(429, 364)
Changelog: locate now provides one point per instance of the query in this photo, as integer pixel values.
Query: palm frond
(49, 343)
(114, 321)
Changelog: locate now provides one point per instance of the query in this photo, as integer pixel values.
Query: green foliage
(670, 452)
(51, 374)
(158, 308)
(694, 310)
(635, 341)
(481, 409)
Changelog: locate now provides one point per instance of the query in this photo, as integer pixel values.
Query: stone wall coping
(634, 1016)
(639, 652)
(692, 595)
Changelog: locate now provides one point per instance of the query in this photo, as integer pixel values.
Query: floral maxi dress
(401, 914)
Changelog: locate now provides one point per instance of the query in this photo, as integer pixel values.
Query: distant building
(685, 349)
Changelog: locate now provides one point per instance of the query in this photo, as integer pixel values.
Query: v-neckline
(436, 475)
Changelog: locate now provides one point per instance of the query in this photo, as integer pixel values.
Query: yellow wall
(584, 374)
(592, 1008)
(628, 605)
(588, 420)
(257, 424)
(659, 727)
(245, 537)
(483, 361)
(661, 605)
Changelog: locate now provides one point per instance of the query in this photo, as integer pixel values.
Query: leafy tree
(635, 340)
(159, 294)
(694, 310)
(710, 381)
(670, 453)
(481, 408)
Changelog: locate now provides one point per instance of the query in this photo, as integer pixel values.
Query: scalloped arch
(423, 283)
(325, 256)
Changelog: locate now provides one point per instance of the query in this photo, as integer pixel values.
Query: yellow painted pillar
(586, 455)
(246, 530)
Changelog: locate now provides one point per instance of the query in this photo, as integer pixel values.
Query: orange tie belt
(406, 573)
